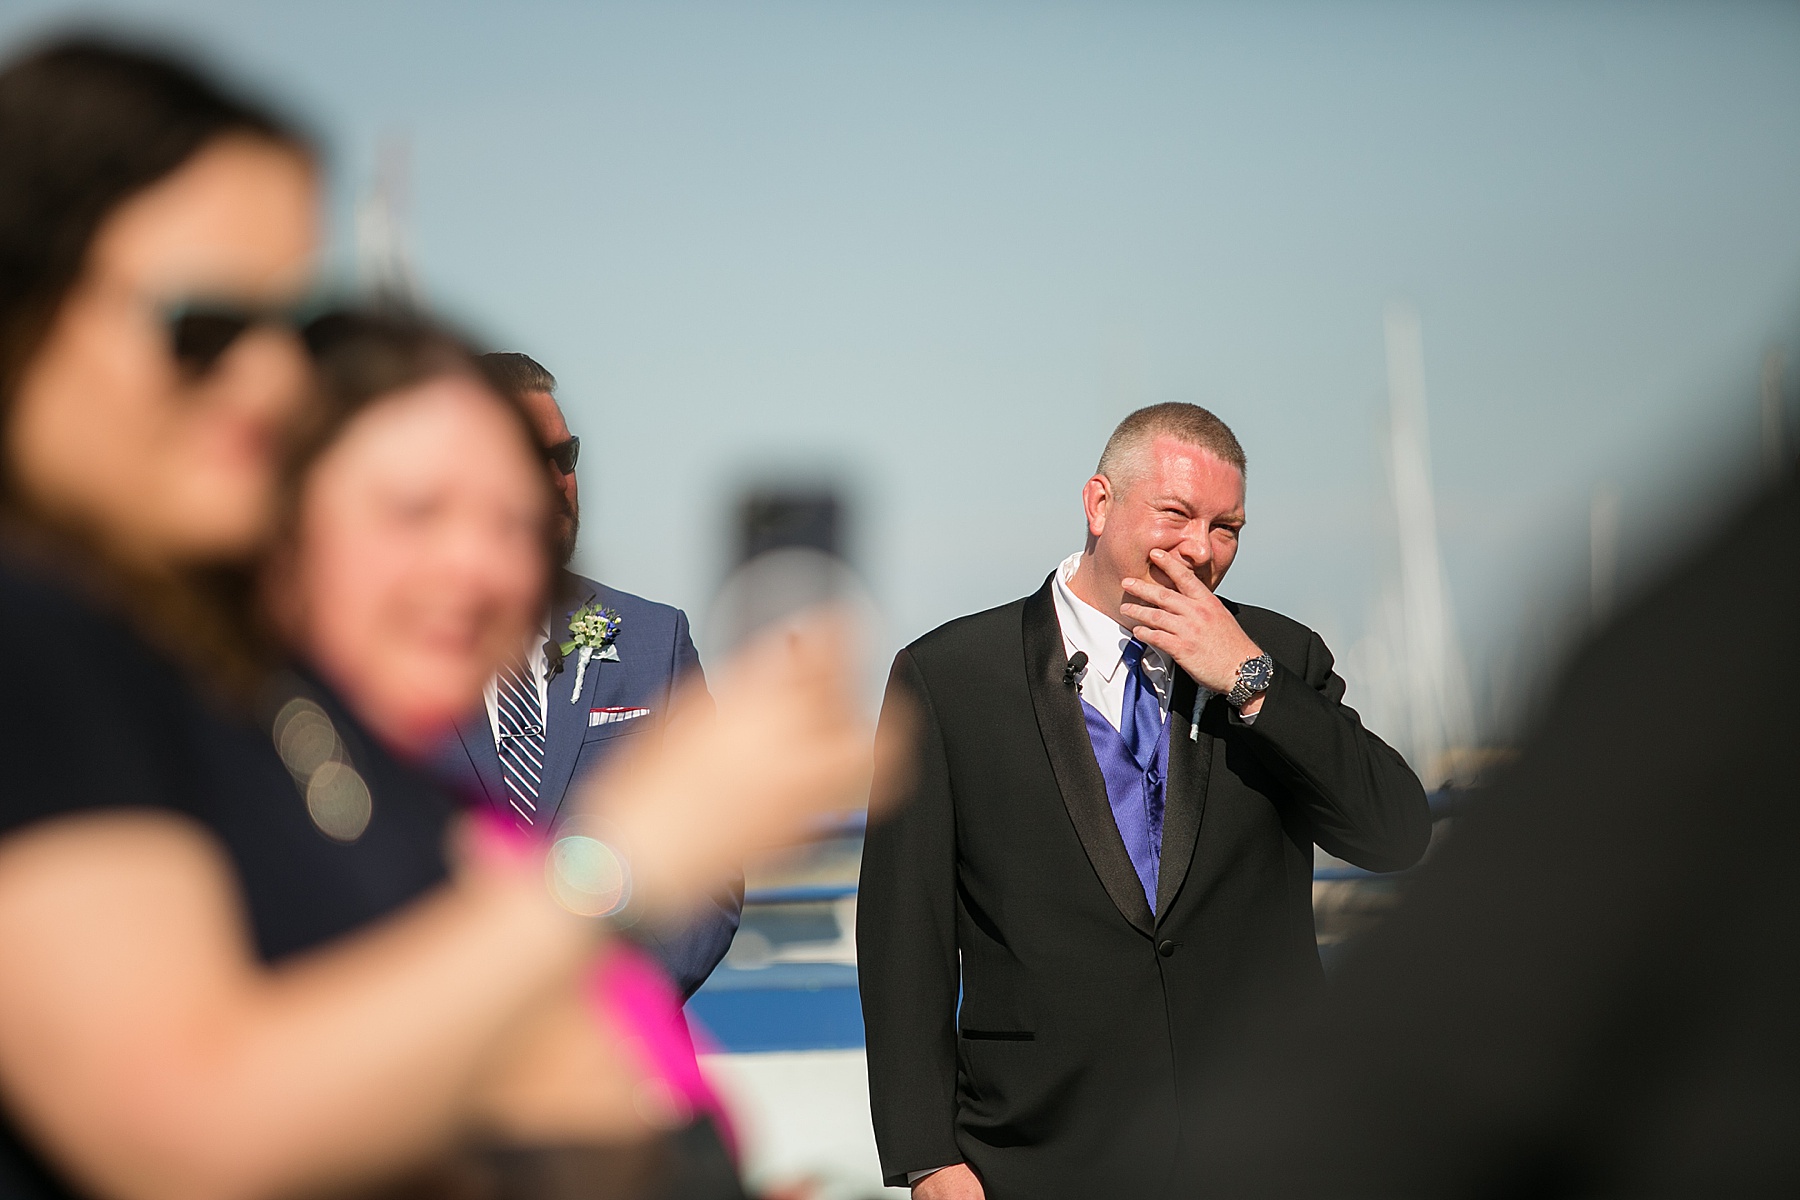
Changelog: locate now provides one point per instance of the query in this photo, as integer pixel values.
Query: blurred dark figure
(1594, 988)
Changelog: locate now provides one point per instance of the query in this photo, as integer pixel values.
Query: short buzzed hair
(514, 374)
(1188, 423)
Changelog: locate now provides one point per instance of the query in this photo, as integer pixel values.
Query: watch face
(1253, 676)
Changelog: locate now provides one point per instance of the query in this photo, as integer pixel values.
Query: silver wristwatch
(1253, 675)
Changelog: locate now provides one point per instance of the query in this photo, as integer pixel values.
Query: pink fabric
(499, 840)
(634, 994)
(628, 989)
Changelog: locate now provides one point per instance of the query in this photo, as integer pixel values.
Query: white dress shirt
(1103, 639)
(1090, 631)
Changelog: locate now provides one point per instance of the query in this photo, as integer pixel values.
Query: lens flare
(337, 797)
(338, 801)
(587, 876)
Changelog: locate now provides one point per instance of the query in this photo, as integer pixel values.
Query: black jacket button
(1165, 948)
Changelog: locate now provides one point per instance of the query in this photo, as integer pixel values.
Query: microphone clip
(553, 659)
(1077, 664)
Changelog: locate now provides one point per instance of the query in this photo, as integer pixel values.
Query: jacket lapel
(565, 720)
(1064, 731)
(477, 738)
(1190, 765)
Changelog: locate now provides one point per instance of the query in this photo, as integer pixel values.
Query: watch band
(1253, 676)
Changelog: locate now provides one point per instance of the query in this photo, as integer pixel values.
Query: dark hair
(361, 355)
(85, 124)
(361, 358)
(516, 374)
(1184, 422)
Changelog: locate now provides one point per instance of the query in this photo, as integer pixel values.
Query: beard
(565, 530)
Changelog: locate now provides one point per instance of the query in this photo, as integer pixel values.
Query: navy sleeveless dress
(91, 719)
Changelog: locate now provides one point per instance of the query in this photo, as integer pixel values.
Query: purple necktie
(1141, 718)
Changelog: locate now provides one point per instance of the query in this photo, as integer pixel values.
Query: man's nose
(1194, 550)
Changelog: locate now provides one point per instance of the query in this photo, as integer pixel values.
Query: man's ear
(1096, 502)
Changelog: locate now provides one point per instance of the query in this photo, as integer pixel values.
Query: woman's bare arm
(146, 1050)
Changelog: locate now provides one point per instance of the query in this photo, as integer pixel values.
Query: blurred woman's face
(167, 463)
(419, 558)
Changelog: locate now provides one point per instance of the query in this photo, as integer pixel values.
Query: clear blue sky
(936, 250)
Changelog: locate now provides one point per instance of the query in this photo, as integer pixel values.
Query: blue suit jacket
(655, 652)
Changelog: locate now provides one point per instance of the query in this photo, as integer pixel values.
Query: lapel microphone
(1072, 672)
(553, 659)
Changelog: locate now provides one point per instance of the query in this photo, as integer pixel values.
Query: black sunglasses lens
(200, 338)
(564, 455)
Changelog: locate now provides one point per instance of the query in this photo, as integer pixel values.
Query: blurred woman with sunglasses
(179, 1015)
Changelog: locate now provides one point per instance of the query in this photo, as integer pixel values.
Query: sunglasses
(564, 455)
(201, 331)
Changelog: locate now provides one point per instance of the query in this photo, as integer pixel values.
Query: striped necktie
(521, 738)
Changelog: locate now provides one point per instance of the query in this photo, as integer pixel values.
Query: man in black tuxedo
(1106, 843)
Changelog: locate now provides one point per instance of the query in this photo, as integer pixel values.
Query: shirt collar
(535, 657)
(1086, 628)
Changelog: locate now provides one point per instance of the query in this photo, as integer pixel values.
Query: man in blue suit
(552, 717)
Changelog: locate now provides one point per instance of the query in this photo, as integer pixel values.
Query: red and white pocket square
(610, 716)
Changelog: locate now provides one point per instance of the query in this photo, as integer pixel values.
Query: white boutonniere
(593, 629)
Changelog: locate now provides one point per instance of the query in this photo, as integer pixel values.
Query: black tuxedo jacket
(1001, 872)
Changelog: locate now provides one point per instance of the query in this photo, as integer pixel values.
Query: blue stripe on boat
(783, 1006)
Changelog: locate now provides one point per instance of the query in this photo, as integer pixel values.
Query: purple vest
(1135, 794)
